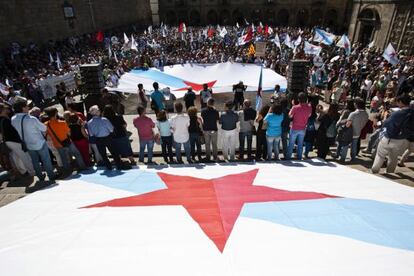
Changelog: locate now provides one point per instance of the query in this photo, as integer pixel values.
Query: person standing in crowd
(31, 132)
(210, 118)
(79, 137)
(157, 99)
(145, 127)
(341, 126)
(273, 121)
(101, 129)
(357, 120)
(261, 142)
(299, 115)
(59, 133)
(205, 94)
(276, 94)
(189, 98)
(399, 131)
(326, 133)
(179, 125)
(285, 125)
(120, 135)
(169, 100)
(61, 94)
(164, 128)
(410, 139)
(238, 91)
(228, 121)
(142, 97)
(194, 129)
(366, 88)
(310, 131)
(246, 119)
(20, 159)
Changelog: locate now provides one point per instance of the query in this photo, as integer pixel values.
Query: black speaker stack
(92, 82)
(92, 78)
(298, 76)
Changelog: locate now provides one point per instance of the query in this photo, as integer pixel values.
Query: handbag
(65, 143)
(4, 149)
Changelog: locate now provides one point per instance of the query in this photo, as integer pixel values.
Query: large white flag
(223, 32)
(323, 37)
(311, 49)
(344, 43)
(298, 41)
(390, 55)
(133, 44)
(276, 40)
(126, 39)
(288, 42)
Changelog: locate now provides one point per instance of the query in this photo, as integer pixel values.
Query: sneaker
(42, 177)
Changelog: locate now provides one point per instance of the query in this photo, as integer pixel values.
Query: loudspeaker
(92, 78)
(298, 76)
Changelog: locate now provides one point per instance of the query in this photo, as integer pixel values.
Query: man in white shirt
(31, 132)
(179, 126)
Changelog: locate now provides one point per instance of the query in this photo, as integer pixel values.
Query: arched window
(302, 18)
(171, 18)
(212, 17)
(331, 19)
(316, 17)
(282, 18)
(194, 18)
(225, 18)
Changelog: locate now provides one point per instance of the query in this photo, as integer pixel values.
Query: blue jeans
(308, 148)
(66, 154)
(293, 136)
(150, 147)
(272, 145)
(242, 138)
(354, 149)
(195, 142)
(44, 156)
(187, 150)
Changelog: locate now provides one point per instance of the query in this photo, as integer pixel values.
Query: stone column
(154, 12)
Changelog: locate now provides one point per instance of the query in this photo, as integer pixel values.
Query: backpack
(345, 135)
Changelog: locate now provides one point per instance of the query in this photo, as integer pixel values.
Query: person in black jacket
(189, 98)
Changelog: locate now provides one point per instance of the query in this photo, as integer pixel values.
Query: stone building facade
(330, 13)
(38, 21)
(383, 21)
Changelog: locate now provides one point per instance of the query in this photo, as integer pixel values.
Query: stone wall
(333, 13)
(27, 20)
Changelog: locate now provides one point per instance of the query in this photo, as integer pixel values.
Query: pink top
(300, 114)
(144, 126)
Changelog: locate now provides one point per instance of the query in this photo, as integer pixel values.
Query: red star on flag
(215, 204)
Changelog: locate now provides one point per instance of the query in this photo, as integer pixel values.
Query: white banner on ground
(284, 218)
(48, 85)
(220, 77)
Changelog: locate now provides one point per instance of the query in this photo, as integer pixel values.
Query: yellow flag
(252, 51)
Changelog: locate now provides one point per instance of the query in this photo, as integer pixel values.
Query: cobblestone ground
(11, 191)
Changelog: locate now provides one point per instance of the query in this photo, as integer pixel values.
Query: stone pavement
(10, 192)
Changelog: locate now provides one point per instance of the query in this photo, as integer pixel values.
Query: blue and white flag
(311, 49)
(345, 43)
(259, 100)
(323, 37)
(51, 58)
(126, 39)
(390, 55)
(58, 61)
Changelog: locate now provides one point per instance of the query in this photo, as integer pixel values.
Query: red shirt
(144, 126)
(300, 114)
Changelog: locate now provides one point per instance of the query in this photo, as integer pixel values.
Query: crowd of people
(362, 93)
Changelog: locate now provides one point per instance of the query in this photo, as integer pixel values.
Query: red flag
(259, 29)
(211, 32)
(182, 28)
(99, 36)
(266, 29)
